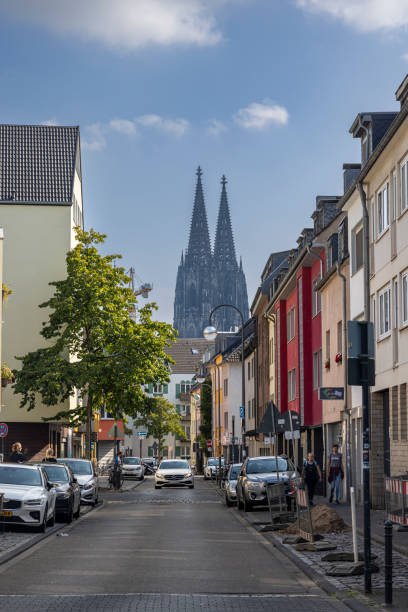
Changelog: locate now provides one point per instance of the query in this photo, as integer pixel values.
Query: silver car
(230, 483)
(174, 472)
(212, 467)
(87, 479)
(257, 473)
(29, 498)
(132, 468)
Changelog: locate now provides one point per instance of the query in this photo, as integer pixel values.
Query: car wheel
(246, 505)
(191, 486)
(51, 521)
(70, 514)
(157, 487)
(141, 478)
(95, 502)
(43, 527)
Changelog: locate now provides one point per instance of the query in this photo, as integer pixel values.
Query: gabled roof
(188, 354)
(37, 163)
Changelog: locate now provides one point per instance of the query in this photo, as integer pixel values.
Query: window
(225, 387)
(157, 388)
(316, 299)
(317, 369)
(357, 249)
(225, 421)
(291, 385)
(384, 312)
(404, 298)
(340, 337)
(249, 370)
(382, 210)
(291, 324)
(404, 184)
(328, 344)
(394, 196)
(185, 387)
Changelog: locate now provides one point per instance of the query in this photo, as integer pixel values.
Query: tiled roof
(187, 353)
(37, 163)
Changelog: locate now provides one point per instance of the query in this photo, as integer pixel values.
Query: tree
(161, 418)
(206, 414)
(93, 345)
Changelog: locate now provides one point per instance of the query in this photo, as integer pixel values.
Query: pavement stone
(150, 602)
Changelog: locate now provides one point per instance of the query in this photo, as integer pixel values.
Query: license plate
(6, 513)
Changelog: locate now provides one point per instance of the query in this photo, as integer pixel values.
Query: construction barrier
(396, 492)
(277, 501)
(305, 525)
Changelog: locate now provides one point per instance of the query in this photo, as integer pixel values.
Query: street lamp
(210, 333)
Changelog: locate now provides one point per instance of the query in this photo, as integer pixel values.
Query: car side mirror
(50, 485)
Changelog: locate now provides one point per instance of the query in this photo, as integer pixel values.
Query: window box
(339, 358)
(327, 364)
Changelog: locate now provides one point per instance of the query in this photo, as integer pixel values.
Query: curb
(42, 536)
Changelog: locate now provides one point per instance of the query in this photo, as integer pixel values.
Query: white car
(132, 468)
(28, 496)
(86, 477)
(211, 469)
(174, 472)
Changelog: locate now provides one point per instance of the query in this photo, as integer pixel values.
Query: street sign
(331, 393)
(114, 432)
(209, 444)
(3, 430)
(242, 412)
(360, 361)
(141, 433)
(292, 435)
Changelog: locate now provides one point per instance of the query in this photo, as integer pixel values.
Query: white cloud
(123, 126)
(51, 121)
(259, 116)
(124, 24)
(216, 127)
(178, 127)
(363, 15)
(94, 139)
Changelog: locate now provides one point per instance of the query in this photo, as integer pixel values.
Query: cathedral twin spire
(206, 279)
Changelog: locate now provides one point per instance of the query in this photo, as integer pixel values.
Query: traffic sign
(3, 430)
(209, 444)
(242, 412)
(114, 432)
(141, 433)
(331, 393)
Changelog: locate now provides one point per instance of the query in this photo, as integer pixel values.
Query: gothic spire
(199, 247)
(224, 247)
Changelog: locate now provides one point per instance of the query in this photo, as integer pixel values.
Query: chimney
(350, 173)
(402, 92)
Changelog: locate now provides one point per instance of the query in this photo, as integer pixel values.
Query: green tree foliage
(206, 414)
(160, 418)
(93, 345)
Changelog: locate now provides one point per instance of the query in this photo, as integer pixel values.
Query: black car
(68, 490)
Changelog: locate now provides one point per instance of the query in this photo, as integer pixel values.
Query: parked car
(87, 479)
(29, 496)
(212, 467)
(132, 468)
(68, 504)
(230, 483)
(256, 473)
(174, 472)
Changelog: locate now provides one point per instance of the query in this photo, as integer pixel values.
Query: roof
(37, 163)
(188, 354)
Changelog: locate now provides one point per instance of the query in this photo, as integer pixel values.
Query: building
(382, 182)
(207, 278)
(187, 354)
(40, 203)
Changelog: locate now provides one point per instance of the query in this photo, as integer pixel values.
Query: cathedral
(206, 277)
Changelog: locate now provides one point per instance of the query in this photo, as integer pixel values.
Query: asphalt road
(147, 550)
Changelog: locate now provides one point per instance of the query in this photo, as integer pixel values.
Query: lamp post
(210, 333)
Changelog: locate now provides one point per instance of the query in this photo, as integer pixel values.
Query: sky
(263, 91)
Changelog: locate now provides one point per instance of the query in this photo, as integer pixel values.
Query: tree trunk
(88, 434)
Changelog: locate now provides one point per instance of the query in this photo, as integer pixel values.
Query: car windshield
(266, 466)
(80, 468)
(174, 465)
(56, 473)
(149, 461)
(131, 461)
(20, 476)
(234, 472)
(215, 462)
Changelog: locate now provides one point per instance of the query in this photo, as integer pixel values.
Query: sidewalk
(399, 538)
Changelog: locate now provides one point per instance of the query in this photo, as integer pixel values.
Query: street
(172, 549)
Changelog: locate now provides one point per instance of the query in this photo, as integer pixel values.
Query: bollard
(388, 562)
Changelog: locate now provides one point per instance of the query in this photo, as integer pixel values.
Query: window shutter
(151, 388)
(178, 390)
(178, 451)
(166, 389)
(165, 452)
(178, 408)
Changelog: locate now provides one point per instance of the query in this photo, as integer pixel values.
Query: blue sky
(261, 90)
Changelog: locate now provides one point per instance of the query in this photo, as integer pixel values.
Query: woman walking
(335, 471)
(16, 453)
(311, 475)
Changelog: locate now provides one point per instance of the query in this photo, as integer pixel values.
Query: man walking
(335, 471)
(311, 475)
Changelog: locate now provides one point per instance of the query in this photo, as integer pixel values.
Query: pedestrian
(49, 456)
(335, 471)
(311, 475)
(16, 453)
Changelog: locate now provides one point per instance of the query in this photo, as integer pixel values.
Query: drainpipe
(366, 256)
(347, 410)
